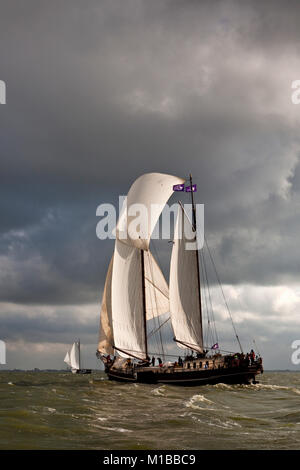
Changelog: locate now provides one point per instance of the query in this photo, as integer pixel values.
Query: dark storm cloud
(100, 93)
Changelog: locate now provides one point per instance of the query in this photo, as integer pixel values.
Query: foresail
(106, 341)
(67, 359)
(156, 287)
(127, 301)
(151, 191)
(184, 287)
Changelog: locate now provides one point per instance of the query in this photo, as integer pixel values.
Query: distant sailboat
(72, 358)
(136, 291)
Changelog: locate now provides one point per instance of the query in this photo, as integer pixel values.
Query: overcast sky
(100, 92)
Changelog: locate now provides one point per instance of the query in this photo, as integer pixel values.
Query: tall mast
(196, 254)
(144, 301)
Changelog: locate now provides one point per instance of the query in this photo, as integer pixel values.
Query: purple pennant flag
(178, 187)
(215, 346)
(190, 189)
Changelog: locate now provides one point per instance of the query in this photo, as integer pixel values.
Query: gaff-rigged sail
(127, 301)
(185, 308)
(149, 192)
(106, 341)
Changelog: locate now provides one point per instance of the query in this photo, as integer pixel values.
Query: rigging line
(204, 347)
(212, 312)
(159, 290)
(207, 294)
(160, 326)
(139, 358)
(218, 279)
(256, 346)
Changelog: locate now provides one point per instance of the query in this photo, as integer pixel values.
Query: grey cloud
(98, 95)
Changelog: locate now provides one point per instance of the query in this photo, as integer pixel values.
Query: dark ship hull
(82, 371)
(184, 376)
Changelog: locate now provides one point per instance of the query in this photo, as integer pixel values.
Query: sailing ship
(72, 358)
(137, 294)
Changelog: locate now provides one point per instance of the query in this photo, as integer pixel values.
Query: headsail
(185, 306)
(105, 345)
(157, 291)
(67, 359)
(152, 191)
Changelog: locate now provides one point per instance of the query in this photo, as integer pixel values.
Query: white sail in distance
(75, 356)
(185, 308)
(151, 191)
(67, 359)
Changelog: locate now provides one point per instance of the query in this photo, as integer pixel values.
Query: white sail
(152, 191)
(184, 287)
(105, 345)
(127, 301)
(75, 356)
(67, 359)
(156, 287)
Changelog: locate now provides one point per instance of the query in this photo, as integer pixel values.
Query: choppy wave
(63, 411)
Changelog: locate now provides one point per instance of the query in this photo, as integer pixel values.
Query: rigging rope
(218, 279)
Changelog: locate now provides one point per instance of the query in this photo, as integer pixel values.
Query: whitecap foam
(111, 429)
(51, 410)
(274, 387)
(195, 399)
(160, 391)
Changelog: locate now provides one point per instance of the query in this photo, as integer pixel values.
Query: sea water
(48, 410)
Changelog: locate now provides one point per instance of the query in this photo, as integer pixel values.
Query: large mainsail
(105, 345)
(185, 308)
(127, 301)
